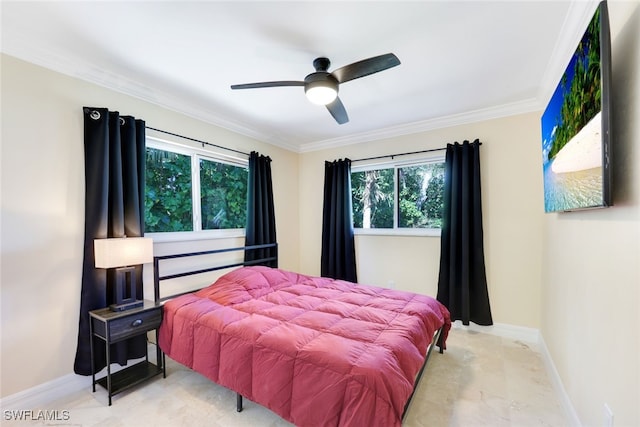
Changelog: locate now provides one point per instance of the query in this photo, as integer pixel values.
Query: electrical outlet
(608, 416)
(391, 284)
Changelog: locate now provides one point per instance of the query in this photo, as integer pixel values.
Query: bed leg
(238, 402)
(439, 343)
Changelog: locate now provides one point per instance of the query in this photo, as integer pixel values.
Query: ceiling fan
(321, 87)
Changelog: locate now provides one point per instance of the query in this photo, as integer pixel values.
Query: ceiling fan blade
(336, 108)
(365, 67)
(268, 84)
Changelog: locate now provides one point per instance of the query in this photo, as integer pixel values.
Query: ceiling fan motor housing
(320, 78)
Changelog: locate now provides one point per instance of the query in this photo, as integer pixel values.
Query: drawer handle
(136, 322)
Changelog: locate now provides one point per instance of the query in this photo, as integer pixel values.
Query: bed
(316, 351)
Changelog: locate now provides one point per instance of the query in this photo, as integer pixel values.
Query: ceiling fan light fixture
(321, 92)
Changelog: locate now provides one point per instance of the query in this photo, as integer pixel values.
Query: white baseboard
(43, 394)
(556, 381)
(533, 337)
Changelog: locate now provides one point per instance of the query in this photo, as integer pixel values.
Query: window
(405, 198)
(191, 190)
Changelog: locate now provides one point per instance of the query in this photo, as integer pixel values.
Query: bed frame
(266, 254)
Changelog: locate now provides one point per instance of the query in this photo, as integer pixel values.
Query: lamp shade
(123, 251)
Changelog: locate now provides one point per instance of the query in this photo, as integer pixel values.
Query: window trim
(395, 165)
(196, 154)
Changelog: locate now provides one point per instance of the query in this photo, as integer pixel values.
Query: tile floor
(481, 380)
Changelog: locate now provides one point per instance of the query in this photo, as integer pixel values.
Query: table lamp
(123, 254)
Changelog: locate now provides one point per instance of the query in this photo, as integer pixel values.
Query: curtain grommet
(95, 114)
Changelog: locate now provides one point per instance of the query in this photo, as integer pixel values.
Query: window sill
(418, 232)
(188, 236)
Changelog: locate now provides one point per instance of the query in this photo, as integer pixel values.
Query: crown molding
(505, 110)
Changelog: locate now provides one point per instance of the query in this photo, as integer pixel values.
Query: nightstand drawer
(122, 327)
(135, 324)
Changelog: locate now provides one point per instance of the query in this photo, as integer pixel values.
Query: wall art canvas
(575, 126)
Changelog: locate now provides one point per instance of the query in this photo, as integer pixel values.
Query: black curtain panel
(114, 153)
(462, 282)
(261, 219)
(338, 258)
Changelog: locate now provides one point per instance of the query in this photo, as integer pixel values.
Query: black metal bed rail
(157, 278)
(435, 341)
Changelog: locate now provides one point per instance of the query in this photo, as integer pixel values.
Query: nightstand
(114, 326)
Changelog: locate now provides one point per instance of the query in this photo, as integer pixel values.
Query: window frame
(395, 165)
(196, 154)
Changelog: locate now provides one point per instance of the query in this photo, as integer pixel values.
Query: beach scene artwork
(572, 131)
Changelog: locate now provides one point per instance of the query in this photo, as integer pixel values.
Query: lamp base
(127, 304)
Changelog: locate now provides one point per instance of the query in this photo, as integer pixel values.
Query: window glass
(420, 196)
(167, 203)
(223, 195)
(373, 198)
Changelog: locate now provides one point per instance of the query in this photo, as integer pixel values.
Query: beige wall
(43, 211)
(591, 275)
(513, 217)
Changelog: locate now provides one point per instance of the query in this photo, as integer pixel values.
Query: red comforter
(317, 351)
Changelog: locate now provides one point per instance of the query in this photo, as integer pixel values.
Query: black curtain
(114, 153)
(261, 219)
(338, 259)
(462, 283)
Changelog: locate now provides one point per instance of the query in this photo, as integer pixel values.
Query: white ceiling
(460, 61)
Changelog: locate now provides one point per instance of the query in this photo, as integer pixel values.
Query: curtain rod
(199, 141)
(403, 154)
